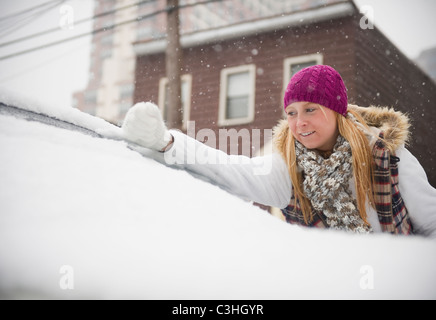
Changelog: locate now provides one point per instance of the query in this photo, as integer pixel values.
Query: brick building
(234, 76)
(120, 23)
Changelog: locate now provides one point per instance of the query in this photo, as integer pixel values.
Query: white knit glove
(144, 125)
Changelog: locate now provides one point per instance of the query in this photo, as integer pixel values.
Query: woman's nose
(301, 121)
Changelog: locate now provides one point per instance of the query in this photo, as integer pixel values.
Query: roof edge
(250, 28)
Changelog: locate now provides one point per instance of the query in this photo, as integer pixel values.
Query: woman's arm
(418, 195)
(264, 180)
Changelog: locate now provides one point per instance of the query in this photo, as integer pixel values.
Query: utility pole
(174, 57)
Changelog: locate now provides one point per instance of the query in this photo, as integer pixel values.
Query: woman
(337, 166)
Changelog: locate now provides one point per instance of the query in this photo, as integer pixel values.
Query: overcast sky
(51, 75)
(409, 24)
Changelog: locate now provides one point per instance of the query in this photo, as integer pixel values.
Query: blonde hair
(362, 166)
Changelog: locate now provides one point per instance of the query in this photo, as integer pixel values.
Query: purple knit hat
(318, 84)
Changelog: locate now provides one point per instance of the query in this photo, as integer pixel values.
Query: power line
(105, 29)
(29, 10)
(75, 23)
(24, 20)
(42, 64)
(81, 35)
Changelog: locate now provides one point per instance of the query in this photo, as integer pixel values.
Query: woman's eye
(310, 110)
(291, 114)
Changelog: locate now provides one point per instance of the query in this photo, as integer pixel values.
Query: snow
(120, 225)
(244, 29)
(60, 112)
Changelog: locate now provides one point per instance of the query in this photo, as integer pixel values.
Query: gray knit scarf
(326, 184)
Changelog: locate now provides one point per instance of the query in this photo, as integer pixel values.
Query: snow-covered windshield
(86, 217)
(86, 214)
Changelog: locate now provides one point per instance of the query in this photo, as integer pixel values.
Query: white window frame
(187, 78)
(225, 73)
(318, 57)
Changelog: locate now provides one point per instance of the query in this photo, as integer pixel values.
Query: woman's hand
(144, 125)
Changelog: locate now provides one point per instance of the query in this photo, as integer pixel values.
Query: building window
(145, 32)
(295, 64)
(126, 91)
(107, 39)
(186, 98)
(106, 53)
(126, 99)
(91, 97)
(237, 95)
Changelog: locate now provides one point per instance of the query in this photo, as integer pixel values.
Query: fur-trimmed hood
(394, 125)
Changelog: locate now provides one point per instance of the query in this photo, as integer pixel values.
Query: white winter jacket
(265, 180)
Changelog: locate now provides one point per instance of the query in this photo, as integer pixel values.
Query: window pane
(238, 93)
(237, 107)
(238, 84)
(299, 66)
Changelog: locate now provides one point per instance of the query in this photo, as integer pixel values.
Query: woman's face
(312, 125)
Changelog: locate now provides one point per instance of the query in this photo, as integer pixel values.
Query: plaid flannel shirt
(392, 213)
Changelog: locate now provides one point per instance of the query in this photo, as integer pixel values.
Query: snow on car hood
(84, 217)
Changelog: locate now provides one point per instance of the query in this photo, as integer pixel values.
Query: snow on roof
(314, 14)
(85, 217)
(221, 13)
